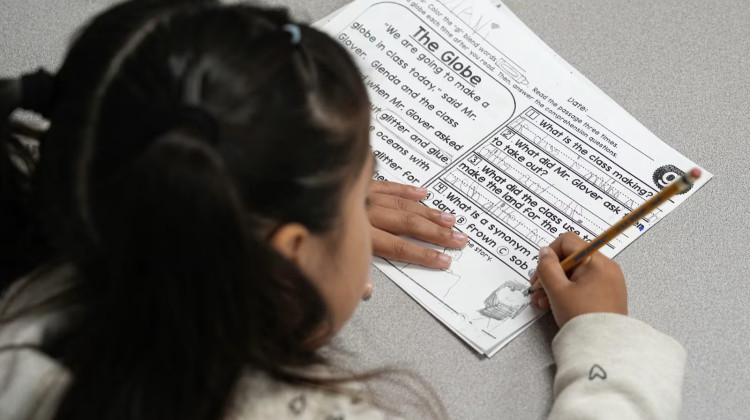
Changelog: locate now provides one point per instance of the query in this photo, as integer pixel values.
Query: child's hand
(394, 210)
(596, 285)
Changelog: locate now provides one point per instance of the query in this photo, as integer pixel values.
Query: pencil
(678, 186)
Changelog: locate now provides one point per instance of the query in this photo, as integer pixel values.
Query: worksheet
(469, 103)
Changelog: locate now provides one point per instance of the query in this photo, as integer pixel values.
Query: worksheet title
(451, 58)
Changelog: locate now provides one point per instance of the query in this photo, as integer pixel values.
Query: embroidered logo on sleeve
(297, 404)
(597, 372)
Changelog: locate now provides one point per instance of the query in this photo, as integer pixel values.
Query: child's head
(207, 176)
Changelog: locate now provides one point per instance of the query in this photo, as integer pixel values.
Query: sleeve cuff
(615, 355)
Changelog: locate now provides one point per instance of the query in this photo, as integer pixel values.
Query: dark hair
(181, 134)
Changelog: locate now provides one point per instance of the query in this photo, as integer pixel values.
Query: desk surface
(682, 68)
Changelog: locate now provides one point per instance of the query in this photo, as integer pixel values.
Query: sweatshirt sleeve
(615, 367)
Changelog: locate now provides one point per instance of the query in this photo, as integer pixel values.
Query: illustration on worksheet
(506, 302)
(667, 174)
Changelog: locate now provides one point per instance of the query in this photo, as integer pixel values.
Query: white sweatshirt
(608, 367)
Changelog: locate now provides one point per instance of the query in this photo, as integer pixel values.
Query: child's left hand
(395, 210)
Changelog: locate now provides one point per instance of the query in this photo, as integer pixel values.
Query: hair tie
(37, 91)
(294, 31)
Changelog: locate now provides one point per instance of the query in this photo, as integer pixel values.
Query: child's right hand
(596, 285)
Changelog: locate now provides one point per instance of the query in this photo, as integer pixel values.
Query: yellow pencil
(678, 186)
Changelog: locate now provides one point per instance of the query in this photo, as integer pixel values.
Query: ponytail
(22, 246)
(179, 248)
(162, 313)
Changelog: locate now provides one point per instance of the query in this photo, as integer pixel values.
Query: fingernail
(420, 191)
(444, 259)
(447, 217)
(543, 251)
(459, 236)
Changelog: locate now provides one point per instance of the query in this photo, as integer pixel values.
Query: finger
(399, 190)
(536, 285)
(398, 203)
(544, 302)
(550, 271)
(534, 282)
(566, 244)
(537, 295)
(404, 223)
(368, 290)
(392, 247)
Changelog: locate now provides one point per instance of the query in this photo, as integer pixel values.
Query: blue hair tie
(294, 31)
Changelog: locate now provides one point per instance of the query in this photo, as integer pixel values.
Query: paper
(467, 102)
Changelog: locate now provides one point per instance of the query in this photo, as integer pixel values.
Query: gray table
(682, 68)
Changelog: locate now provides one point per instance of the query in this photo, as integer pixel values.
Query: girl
(197, 217)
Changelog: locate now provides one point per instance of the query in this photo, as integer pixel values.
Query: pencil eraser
(695, 172)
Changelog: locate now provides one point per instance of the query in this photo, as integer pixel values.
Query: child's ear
(290, 240)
